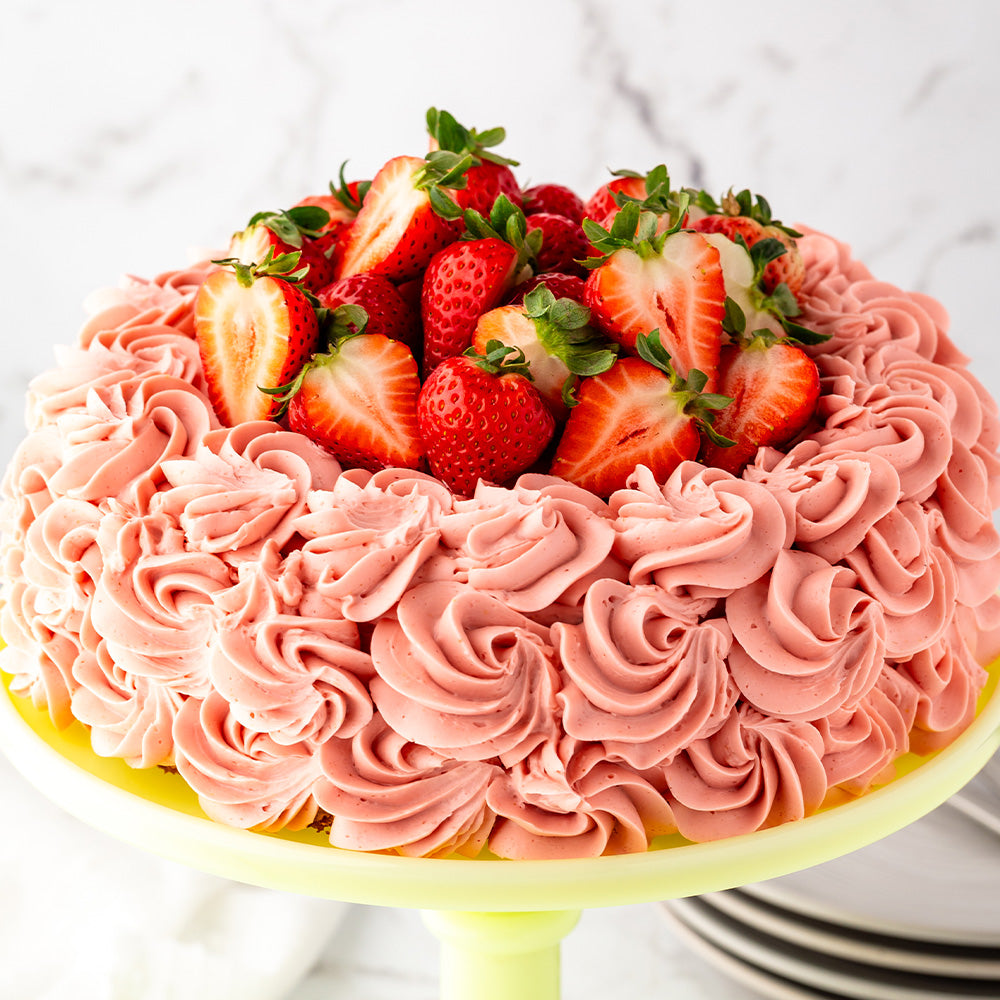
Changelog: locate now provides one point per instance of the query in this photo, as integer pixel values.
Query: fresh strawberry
(670, 281)
(564, 243)
(406, 217)
(489, 176)
(640, 412)
(279, 233)
(555, 199)
(359, 400)
(556, 340)
(481, 418)
(342, 205)
(255, 327)
(749, 217)
(562, 286)
(774, 386)
(652, 192)
(472, 276)
(602, 207)
(388, 312)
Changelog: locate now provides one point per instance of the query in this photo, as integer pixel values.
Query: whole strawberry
(472, 276)
(554, 198)
(481, 418)
(389, 313)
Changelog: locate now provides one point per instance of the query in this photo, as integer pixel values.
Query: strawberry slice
(294, 230)
(406, 217)
(359, 400)
(774, 386)
(255, 327)
(472, 276)
(671, 282)
(640, 412)
(556, 340)
(481, 418)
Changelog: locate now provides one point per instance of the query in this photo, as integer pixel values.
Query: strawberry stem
(500, 359)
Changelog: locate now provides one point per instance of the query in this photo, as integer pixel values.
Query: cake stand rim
(488, 885)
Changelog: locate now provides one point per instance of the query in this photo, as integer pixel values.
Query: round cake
(453, 517)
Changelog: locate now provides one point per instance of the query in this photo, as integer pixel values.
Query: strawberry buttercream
(530, 669)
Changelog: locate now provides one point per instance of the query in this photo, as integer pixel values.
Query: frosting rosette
(703, 534)
(948, 680)
(911, 577)
(639, 680)
(367, 539)
(755, 772)
(154, 602)
(116, 444)
(566, 799)
(464, 674)
(243, 778)
(288, 675)
(807, 640)
(385, 793)
(244, 486)
(129, 715)
(830, 501)
(526, 546)
(861, 743)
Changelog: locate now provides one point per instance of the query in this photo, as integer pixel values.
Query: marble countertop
(130, 135)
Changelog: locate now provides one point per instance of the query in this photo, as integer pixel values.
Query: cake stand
(499, 923)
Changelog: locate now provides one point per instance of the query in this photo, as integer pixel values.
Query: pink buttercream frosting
(530, 669)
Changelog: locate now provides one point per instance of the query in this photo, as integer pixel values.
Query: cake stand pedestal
(499, 922)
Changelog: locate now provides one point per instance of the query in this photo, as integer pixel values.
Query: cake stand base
(500, 956)
(500, 923)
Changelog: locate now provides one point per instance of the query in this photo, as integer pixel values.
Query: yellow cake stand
(499, 923)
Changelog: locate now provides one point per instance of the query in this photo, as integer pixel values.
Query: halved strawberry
(556, 340)
(670, 281)
(489, 176)
(640, 412)
(774, 386)
(555, 199)
(359, 402)
(406, 217)
(472, 276)
(749, 217)
(255, 327)
(481, 418)
(290, 231)
(389, 313)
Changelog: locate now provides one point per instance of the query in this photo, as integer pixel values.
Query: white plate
(935, 880)
(764, 983)
(822, 973)
(920, 957)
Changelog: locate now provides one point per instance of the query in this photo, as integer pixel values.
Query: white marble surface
(130, 133)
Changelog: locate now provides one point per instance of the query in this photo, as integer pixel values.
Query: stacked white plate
(915, 916)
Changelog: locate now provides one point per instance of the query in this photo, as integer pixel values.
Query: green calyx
(563, 329)
(506, 222)
(689, 393)
(292, 224)
(500, 359)
(337, 326)
(659, 198)
(443, 169)
(450, 135)
(633, 228)
(743, 203)
(284, 266)
(343, 192)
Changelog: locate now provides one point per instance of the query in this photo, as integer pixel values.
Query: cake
(561, 525)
